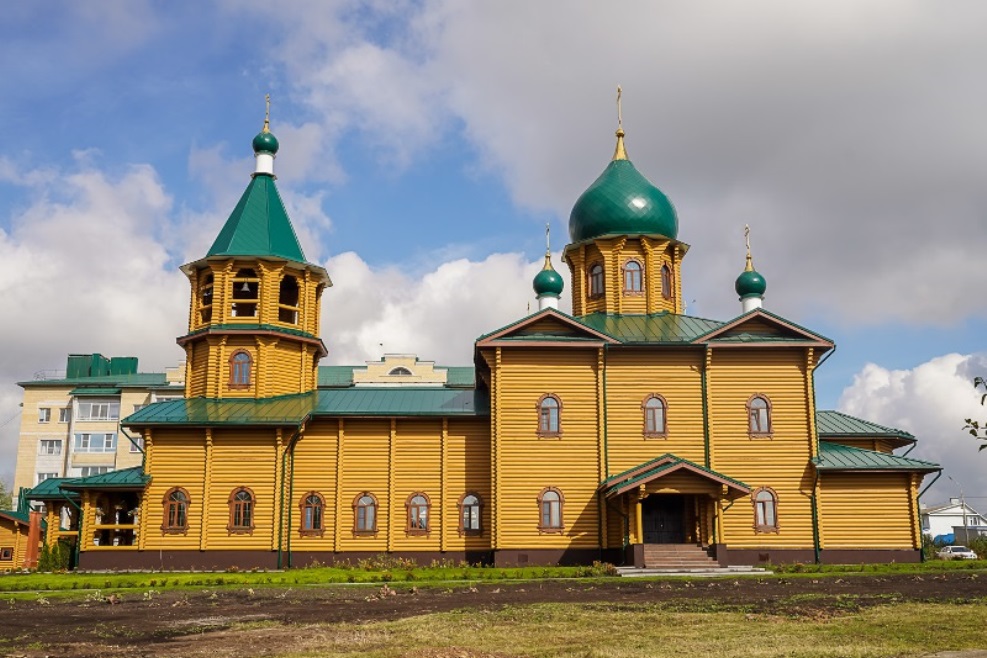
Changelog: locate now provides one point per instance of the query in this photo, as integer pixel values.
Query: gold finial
(267, 114)
(747, 239)
(548, 249)
(619, 153)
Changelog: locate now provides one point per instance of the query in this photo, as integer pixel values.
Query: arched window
(400, 371)
(550, 503)
(633, 277)
(205, 297)
(240, 366)
(245, 288)
(241, 510)
(312, 508)
(470, 508)
(549, 415)
(765, 503)
(666, 282)
(418, 507)
(175, 517)
(655, 421)
(759, 416)
(365, 514)
(596, 280)
(288, 300)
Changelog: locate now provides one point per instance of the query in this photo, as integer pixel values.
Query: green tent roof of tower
(259, 226)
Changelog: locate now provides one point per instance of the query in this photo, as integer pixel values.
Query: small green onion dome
(750, 284)
(622, 201)
(548, 281)
(266, 142)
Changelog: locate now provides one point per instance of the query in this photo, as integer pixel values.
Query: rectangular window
(64, 415)
(44, 414)
(50, 447)
(99, 411)
(94, 470)
(138, 407)
(95, 442)
(46, 476)
(6, 554)
(137, 445)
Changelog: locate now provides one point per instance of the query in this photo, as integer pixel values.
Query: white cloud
(931, 401)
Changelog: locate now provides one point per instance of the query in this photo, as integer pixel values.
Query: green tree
(977, 428)
(6, 497)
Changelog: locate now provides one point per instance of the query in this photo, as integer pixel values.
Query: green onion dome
(266, 142)
(548, 281)
(622, 201)
(750, 284)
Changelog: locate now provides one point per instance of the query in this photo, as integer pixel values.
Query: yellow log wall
(867, 510)
(13, 535)
(179, 460)
(780, 462)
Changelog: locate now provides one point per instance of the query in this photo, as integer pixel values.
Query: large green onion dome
(622, 201)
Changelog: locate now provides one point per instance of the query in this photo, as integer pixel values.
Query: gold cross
(620, 117)
(267, 113)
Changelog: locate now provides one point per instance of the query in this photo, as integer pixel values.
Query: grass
(593, 631)
(936, 566)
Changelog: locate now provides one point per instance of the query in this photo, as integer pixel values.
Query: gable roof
(731, 333)
(259, 226)
(547, 326)
(836, 457)
(649, 329)
(16, 516)
(831, 423)
(661, 466)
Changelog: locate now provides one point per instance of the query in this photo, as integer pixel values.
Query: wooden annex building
(627, 431)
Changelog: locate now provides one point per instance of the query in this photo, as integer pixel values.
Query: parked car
(957, 553)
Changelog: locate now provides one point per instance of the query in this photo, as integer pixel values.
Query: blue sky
(425, 145)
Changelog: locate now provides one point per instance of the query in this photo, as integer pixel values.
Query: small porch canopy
(663, 467)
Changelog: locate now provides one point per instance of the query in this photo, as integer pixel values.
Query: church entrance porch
(663, 519)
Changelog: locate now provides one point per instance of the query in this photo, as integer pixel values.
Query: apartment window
(313, 507)
(64, 415)
(6, 554)
(46, 476)
(365, 514)
(175, 502)
(759, 416)
(655, 420)
(138, 407)
(469, 514)
(765, 510)
(136, 444)
(549, 415)
(50, 447)
(666, 282)
(241, 504)
(44, 414)
(418, 506)
(94, 470)
(596, 280)
(103, 442)
(633, 277)
(99, 411)
(240, 363)
(550, 502)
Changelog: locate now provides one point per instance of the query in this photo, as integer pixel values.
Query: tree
(977, 428)
(6, 497)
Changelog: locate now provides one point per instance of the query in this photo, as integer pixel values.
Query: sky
(426, 144)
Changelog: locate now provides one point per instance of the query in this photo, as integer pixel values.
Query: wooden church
(628, 431)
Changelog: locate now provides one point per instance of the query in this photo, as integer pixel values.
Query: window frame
(414, 510)
(137, 445)
(236, 370)
(167, 503)
(304, 504)
(596, 274)
(551, 529)
(765, 528)
(374, 505)
(112, 411)
(667, 282)
(660, 433)
(48, 476)
(44, 415)
(6, 553)
(766, 433)
(107, 442)
(50, 443)
(461, 506)
(625, 269)
(64, 414)
(234, 504)
(549, 433)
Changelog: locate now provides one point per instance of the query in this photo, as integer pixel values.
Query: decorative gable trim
(570, 330)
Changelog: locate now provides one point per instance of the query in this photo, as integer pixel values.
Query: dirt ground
(198, 623)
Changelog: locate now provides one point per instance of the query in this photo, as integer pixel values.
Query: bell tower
(254, 312)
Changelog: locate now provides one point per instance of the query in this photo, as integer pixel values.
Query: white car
(957, 553)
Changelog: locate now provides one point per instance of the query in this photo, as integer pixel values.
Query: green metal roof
(835, 423)
(50, 489)
(94, 392)
(125, 478)
(836, 457)
(253, 327)
(658, 466)
(342, 376)
(138, 380)
(259, 225)
(14, 515)
(283, 410)
(400, 401)
(657, 328)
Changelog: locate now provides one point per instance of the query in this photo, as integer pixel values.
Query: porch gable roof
(661, 466)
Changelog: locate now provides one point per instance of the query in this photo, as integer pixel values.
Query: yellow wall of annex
(13, 536)
(867, 510)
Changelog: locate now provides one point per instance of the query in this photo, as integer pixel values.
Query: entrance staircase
(677, 557)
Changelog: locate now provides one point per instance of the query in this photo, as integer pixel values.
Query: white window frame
(41, 477)
(64, 414)
(104, 410)
(99, 470)
(44, 414)
(95, 442)
(137, 441)
(50, 447)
